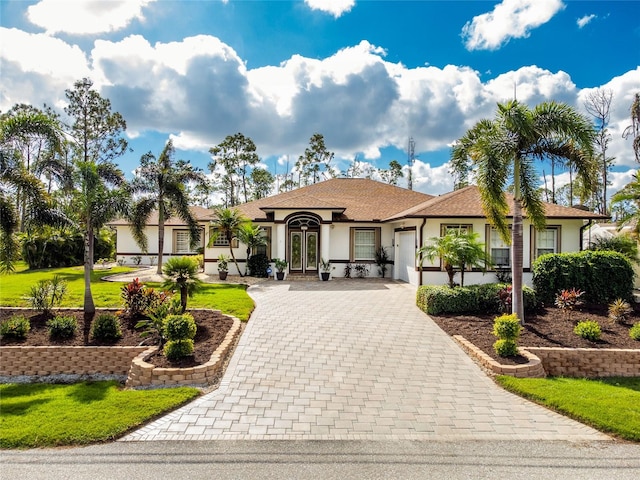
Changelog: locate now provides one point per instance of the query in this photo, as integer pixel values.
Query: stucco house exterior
(345, 220)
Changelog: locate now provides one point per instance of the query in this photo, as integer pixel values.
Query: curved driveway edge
(354, 360)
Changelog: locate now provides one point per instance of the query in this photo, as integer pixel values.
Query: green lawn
(45, 415)
(230, 299)
(611, 405)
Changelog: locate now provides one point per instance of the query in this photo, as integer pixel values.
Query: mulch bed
(212, 329)
(548, 327)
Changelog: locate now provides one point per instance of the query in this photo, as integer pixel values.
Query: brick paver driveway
(354, 359)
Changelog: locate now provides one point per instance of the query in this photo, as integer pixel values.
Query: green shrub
(106, 327)
(177, 349)
(47, 294)
(258, 265)
(603, 275)
(62, 326)
(180, 327)
(482, 298)
(15, 327)
(435, 300)
(588, 329)
(634, 332)
(506, 348)
(507, 327)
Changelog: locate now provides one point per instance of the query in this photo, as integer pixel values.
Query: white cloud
(431, 180)
(584, 21)
(509, 19)
(334, 7)
(85, 17)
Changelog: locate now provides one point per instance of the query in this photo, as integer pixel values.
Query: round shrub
(62, 326)
(507, 327)
(258, 265)
(180, 327)
(506, 348)
(634, 332)
(15, 327)
(106, 327)
(588, 329)
(177, 349)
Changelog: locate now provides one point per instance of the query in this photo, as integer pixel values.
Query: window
(221, 240)
(446, 228)
(181, 242)
(499, 250)
(266, 248)
(364, 243)
(546, 241)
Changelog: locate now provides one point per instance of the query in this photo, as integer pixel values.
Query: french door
(303, 251)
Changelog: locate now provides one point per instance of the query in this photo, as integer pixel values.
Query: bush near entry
(603, 276)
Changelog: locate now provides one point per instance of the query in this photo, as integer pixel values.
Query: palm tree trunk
(234, 257)
(89, 306)
(516, 247)
(160, 237)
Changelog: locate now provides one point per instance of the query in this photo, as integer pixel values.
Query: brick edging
(532, 369)
(562, 362)
(144, 374)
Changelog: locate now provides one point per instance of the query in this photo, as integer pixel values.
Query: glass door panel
(296, 251)
(312, 251)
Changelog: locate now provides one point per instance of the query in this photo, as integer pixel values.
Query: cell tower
(410, 159)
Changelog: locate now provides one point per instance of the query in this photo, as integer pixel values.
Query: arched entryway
(303, 249)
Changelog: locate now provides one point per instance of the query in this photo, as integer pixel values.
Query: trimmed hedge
(439, 299)
(603, 275)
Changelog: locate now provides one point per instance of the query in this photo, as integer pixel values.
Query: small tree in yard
(457, 251)
(182, 273)
(252, 236)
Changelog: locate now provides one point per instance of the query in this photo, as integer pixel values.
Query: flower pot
(223, 275)
(280, 275)
(325, 276)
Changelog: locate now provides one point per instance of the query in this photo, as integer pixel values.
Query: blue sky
(366, 74)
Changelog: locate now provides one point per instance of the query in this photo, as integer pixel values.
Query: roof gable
(358, 199)
(466, 202)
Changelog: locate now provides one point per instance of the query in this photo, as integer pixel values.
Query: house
(345, 220)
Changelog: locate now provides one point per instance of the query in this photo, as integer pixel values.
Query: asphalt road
(328, 460)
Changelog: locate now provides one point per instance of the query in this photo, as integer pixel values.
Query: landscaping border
(562, 362)
(30, 364)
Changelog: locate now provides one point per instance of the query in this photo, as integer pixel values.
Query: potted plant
(280, 266)
(223, 266)
(325, 266)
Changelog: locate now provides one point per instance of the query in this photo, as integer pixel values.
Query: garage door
(406, 256)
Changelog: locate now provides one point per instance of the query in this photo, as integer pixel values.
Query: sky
(368, 75)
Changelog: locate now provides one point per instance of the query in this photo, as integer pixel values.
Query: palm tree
(457, 251)
(506, 148)
(227, 223)
(633, 130)
(183, 276)
(630, 195)
(252, 236)
(17, 181)
(163, 185)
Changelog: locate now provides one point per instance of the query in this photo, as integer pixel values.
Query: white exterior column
(281, 244)
(325, 243)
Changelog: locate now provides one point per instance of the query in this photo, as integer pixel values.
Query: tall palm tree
(506, 148)
(633, 130)
(630, 194)
(15, 178)
(252, 236)
(162, 183)
(227, 222)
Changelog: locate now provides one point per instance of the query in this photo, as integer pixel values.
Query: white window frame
(178, 243)
(495, 242)
(535, 235)
(375, 245)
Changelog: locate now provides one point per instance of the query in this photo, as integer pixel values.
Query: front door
(303, 251)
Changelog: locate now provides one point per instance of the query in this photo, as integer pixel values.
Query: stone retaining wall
(562, 362)
(533, 369)
(43, 361)
(145, 374)
(588, 362)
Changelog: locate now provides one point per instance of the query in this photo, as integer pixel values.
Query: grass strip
(228, 298)
(608, 404)
(48, 415)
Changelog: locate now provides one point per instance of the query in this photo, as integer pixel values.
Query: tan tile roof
(466, 202)
(200, 213)
(360, 199)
